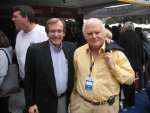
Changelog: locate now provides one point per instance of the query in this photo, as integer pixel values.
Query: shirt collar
(57, 49)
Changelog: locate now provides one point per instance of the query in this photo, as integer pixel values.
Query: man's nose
(93, 35)
(56, 33)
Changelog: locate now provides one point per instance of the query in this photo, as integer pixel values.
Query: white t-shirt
(24, 40)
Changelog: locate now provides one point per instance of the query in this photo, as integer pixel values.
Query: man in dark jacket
(49, 72)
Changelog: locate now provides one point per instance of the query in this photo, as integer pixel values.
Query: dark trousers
(4, 105)
(147, 74)
(129, 93)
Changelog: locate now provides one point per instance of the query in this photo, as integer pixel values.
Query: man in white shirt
(30, 32)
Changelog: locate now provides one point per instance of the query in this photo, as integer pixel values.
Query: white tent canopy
(143, 26)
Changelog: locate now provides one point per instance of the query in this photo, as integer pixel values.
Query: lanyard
(92, 64)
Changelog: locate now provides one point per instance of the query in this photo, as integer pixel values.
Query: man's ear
(64, 34)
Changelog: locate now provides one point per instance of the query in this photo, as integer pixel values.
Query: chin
(57, 44)
(18, 28)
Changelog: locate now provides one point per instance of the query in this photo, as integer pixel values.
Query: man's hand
(108, 40)
(109, 59)
(33, 109)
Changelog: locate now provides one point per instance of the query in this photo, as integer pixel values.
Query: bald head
(92, 22)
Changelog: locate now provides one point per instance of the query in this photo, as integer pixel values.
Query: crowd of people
(60, 76)
(132, 40)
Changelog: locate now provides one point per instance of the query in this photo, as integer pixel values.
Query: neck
(94, 51)
(29, 27)
(55, 45)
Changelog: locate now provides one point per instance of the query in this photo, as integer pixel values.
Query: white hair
(92, 20)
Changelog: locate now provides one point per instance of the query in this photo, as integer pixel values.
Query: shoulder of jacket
(113, 46)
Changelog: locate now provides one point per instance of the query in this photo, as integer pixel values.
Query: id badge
(89, 84)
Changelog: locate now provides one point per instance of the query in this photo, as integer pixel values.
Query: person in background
(29, 32)
(49, 71)
(5, 48)
(98, 73)
(133, 49)
(145, 76)
(108, 33)
(143, 40)
(115, 32)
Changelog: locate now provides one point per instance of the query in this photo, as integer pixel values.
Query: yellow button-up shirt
(106, 81)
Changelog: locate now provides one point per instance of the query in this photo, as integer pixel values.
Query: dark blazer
(40, 86)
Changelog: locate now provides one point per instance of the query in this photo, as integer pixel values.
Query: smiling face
(94, 32)
(55, 32)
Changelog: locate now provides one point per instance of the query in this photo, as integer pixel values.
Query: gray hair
(55, 20)
(128, 26)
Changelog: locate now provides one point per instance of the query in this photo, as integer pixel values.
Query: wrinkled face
(56, 33)
(94, 35)
(18, 20)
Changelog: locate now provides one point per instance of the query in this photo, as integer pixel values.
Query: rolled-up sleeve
(122, 69)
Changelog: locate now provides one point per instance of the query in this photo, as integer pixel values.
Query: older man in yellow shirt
(98, 74)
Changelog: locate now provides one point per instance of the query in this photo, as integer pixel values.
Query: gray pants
(62, 105)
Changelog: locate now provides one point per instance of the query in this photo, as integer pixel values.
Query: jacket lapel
(49, 68)
(66, 52)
